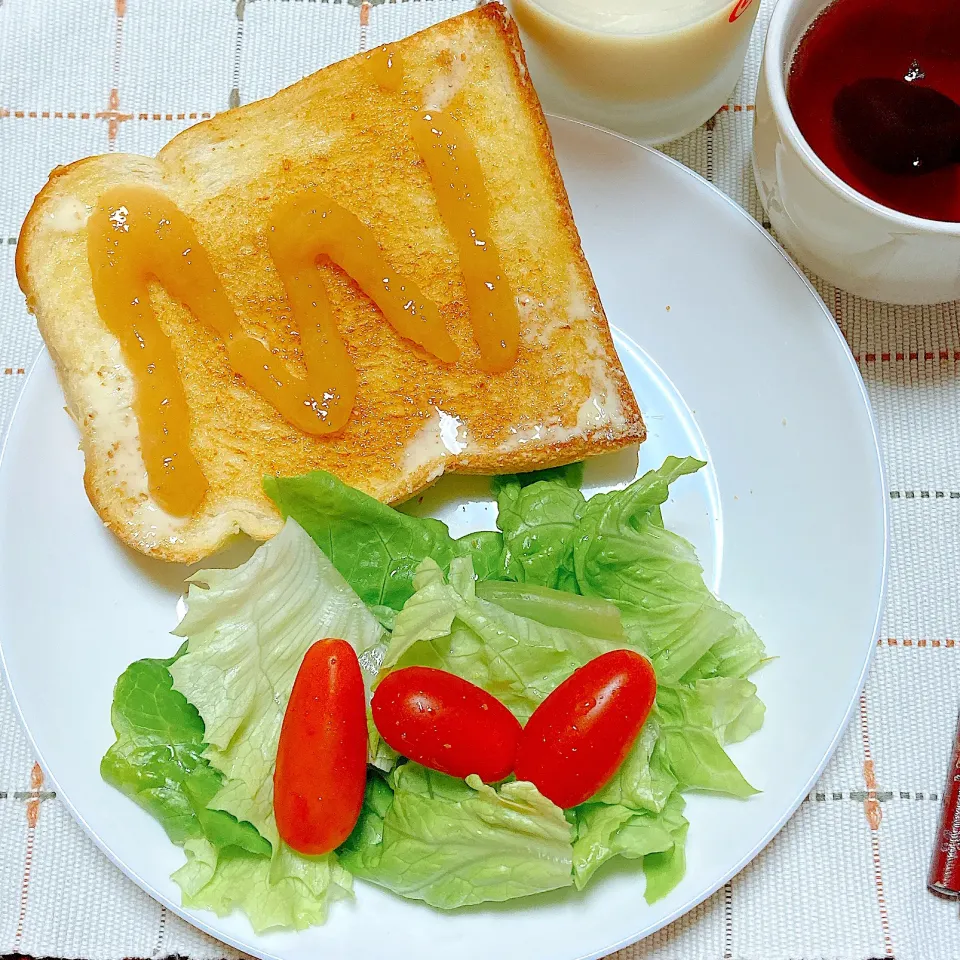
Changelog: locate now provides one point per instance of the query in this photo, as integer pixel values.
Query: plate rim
(761, 844)
(712, 887)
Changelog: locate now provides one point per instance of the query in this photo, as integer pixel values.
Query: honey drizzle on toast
(137, 234)
(457, 177)
(133, 234)
(386, 65)
(464, 205)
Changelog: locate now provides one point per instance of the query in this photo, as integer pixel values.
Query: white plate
(792, 510)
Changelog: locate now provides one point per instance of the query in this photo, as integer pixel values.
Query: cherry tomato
(579, 736)
(446, 723)
(321, 769)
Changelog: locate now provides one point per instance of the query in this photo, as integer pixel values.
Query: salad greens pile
(564, 580)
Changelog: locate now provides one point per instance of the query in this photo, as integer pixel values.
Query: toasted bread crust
(226, 174)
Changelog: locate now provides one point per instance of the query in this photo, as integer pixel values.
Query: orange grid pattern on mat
(921, 644)
(6, 113)
(115, 112)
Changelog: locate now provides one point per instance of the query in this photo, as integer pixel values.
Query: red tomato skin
(446, 723)
(321, 770)
(579, 736)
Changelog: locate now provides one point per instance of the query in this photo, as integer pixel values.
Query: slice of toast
(565, 398)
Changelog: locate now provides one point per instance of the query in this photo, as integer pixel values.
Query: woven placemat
(845, 879)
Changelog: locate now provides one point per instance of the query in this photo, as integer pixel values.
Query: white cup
(652, 71)
(841, 235)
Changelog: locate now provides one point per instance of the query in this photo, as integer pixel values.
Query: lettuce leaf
(452, 843)
(623, 552)
(664, 870)
(485, 550)
(644, 782)
(538, 523)
(374, 547)
(516, 641)
(729, 706)
(362, 851)
(689, 748)
(698, 762)
(197, 735)
(248, 631)
(380, 754)
(615, 546)
(158, 761)
(737, 654)
(606, 830)
(290, 891)
(570, 475)
(430, 612)
(556, 608)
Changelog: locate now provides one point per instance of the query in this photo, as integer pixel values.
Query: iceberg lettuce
(427, 836)
(288, 891)
(516, 641)
(247, 632)
(515, 612)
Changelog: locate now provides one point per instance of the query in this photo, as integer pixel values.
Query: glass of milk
(652, 70)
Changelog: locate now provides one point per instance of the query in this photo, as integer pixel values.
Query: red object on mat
(945, 868)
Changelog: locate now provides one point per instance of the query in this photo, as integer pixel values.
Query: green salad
(514, 611)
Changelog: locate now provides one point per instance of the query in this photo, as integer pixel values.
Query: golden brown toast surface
(565, 398)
